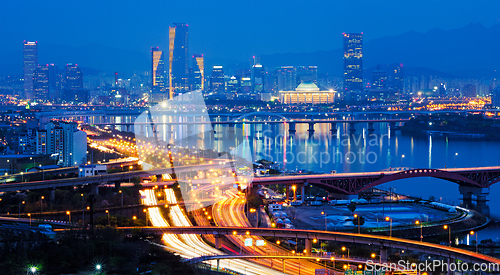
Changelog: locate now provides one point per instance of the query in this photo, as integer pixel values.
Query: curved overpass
(353, 183)
(365, 239)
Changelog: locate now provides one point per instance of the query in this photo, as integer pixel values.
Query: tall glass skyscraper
(198, 78)
(353, 62)
(217, 82)
(30, 60)
(157, 70)
(178, 59)
(41, 83)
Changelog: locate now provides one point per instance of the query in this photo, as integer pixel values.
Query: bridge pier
(308, 247)
(141, 132)
(128, 127)
(52, 195)
(333, 128)
(392, 126)
(352, 127)
(218, 242)
(218, 263)
(303, 192)
(370, 127)
(94, 189)
(284, 266)
(311, 129)
(117, 186)
(291, 128)
(468, 191)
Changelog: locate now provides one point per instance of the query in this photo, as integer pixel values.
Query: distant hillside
(470, 51)
(473, 50)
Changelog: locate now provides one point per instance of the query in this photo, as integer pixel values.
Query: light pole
(472, 233)
(449, 233)
(120, 191)
(107, 212)
(22, 177)
(29, 215)
(389, 219)
(356, 216)
(19, 216)
(43, 172)
(41, 204)
(69, 215)
(344, 249)
(402, 157)
(83, 212)
(455, 158)
(146, 212)
(324, 213)
(421, 230)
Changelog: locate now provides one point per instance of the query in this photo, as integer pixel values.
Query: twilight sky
(229, 29)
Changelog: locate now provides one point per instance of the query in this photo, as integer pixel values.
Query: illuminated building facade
(178, 59)
(30, 61)
(74, 85)
(353, 62)
(157, 70)
(258, 73)
(198, 75)
(285, 78)
(217, 83)
(495, 97)
(41, 83)
(307, 93)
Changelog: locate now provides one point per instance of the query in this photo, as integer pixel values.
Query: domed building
(307, 93)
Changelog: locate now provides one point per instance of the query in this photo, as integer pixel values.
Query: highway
(374, 240)
(191, 245)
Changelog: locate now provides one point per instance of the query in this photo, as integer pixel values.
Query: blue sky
(230, 29)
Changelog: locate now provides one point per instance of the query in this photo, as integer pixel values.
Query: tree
(352, 207)
(361, 220)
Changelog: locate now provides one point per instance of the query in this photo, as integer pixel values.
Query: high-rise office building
(353, 62)
(198, 73)
(157, 70)
(178, 59)
(258, 74)
(41, 83)
(307, 74)
(379, 79)
(217, 82)
(74, 77)
(285, 78)
(54, 81)
(30, 61)
(398, 78)
(495, 97)
(65, 141)
(469, 90)
(74, 90)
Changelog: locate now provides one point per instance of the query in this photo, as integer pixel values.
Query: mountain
(470, 51)
(95, 57)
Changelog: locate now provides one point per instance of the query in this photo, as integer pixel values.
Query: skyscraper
(495, 97)
(398, 78)
(285, 78)
(74, 77)
(54, 81)
(157, 70)
(41, 83)
(198, 77)
(178, 59)
(30, 61)
(258, 73)
(353, 62)
(217, 83)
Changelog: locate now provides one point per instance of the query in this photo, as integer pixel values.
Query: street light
(359, 229)
(421, 229)
(107, 212)
(449, 233)
(344, 249)
(29, 215)
(324, 213)
(19, 216)
(41, 204)
(390, 228)
(455, 158)
(294, 188)
(120, 191)
(22, 177)
(472, 233)
(146, 212)
(402, 157)
(69, 214)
